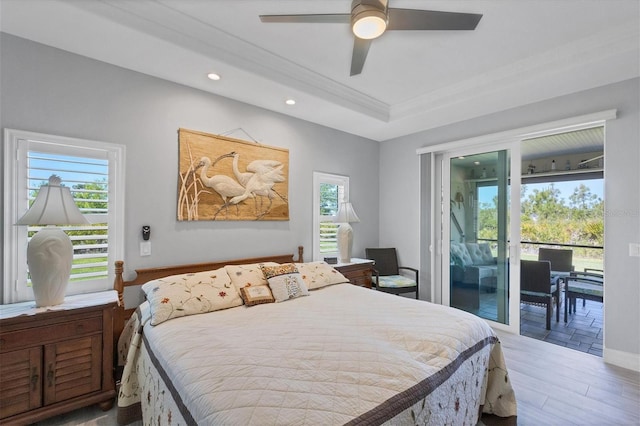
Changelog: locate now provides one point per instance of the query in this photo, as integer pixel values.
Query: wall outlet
(634, 249)
(145, 248)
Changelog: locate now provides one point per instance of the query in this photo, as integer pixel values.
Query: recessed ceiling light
(213, 76)
(290, 102)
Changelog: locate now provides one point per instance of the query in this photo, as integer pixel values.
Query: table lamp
(345, 216)
(50, 252)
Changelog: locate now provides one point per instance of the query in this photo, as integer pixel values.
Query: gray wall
(50, 91)
(622, 194)
(55, 92)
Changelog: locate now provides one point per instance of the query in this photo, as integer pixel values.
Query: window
(329, 191)
(94, 173)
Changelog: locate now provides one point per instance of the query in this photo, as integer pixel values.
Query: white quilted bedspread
(296, 363)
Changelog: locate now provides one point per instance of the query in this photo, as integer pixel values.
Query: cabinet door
(72, 368)
(20, 381)
(361, 278)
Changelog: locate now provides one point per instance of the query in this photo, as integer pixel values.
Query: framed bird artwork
(222, 178)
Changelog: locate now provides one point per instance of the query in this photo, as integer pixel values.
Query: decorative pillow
(474, 252)
(487, 256)
(285, 282)
(480, 253)
(456, 259)
(319, 274)
(249, 274)
(461, 251)
(190, 294)
(256, 294)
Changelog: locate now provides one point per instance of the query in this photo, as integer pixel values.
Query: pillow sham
(247, 275)
(285, 282)
(319, 274)
(256, 295)
(189, 294)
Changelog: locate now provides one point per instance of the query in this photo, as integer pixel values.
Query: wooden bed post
(300, 256)
(118, 284)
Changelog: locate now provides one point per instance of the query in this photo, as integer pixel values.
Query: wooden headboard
(148, 274)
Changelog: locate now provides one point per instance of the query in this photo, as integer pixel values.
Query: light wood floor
(553, 385)
(560, 386)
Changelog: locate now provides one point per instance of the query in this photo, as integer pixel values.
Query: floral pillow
(190, 294)
(319, 274)
(248, 275)
(285, 282)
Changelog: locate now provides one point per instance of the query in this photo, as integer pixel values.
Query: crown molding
(173, 26)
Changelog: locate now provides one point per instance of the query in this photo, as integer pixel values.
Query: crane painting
(222, 178)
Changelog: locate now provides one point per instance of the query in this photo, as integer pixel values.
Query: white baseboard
(622, 359)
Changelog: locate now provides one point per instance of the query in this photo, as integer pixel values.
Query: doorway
(477, 232)
(454, 194)
(562, 211)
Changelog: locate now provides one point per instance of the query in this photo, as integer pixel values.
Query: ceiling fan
(369, 19)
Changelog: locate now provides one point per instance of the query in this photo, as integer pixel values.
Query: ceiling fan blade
(335, 18)
(410, 19)
(360, 50)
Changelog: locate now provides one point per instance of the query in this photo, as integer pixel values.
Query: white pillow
(285, 282)
(319, 274)
(190, 294)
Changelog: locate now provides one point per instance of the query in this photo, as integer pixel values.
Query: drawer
(49, 333)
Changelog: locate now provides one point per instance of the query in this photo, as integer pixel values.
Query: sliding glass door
(476, 231)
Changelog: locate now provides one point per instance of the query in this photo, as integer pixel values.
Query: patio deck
(582, 332)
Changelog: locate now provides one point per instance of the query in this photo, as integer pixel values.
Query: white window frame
(331, 179)
(17, 143)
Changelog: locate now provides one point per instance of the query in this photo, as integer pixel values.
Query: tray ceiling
(521, 52)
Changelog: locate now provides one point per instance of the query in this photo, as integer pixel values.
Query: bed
(333, 353)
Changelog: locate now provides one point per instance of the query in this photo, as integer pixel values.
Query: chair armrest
(376, 274)
(411, 269)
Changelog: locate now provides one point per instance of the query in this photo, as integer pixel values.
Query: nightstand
(56, 359)
(358, 271)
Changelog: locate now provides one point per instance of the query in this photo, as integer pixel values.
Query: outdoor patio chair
(536, 287)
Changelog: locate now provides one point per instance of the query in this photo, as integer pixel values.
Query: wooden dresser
(358, 271)
(57, 359)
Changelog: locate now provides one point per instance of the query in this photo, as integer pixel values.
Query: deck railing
(585, 256)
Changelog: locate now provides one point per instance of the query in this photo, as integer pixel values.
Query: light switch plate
(634, 249)
(145, 248)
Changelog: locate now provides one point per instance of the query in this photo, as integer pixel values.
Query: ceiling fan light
(368, 23)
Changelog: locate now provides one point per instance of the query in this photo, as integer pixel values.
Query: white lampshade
(54, 205)
(50, 252)
(346, 214)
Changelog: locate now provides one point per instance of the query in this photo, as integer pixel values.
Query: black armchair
(386, 272)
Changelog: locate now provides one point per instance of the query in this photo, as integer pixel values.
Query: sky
(485, 194)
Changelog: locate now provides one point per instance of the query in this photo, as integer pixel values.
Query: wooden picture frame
(222, 178)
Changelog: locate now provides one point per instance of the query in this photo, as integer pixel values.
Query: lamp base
(49, 256)
(345, 242)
